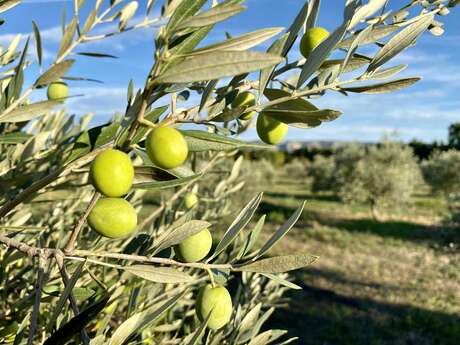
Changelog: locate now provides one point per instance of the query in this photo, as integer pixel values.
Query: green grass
(391, 282)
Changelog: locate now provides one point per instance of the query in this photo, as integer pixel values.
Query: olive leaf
(140, 320)
(400, 41)
(28, 111)
(278, 264)
(14, 138)
(203, 141)
(68, 37)
(374, 35)
(216, 65)
(283, 230)
(265, 74)
(282, 281)
(237, 225)
(385, 87)
(214, 15)
(165, 275)
(242, 42)
(186, 8)
(76, 324)
(54, 73)
(387, 72)
(180, 233)
(160, 185)
(38, 42)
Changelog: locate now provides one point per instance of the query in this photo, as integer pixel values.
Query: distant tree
(322, 170)
(454, 135)
(441, 172)
(386, 175)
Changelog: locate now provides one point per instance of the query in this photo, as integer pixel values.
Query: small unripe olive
(218, 302)
(312, 39)
(245, 100)
(113, 217)
(195, 247)
(57, 91)
(166, 147)
(191, 199)
(112, 173)
(270, 131)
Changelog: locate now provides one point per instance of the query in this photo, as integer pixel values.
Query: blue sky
(422, 111)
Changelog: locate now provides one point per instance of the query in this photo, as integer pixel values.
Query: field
(396, 281)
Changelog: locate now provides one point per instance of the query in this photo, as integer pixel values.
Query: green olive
(112, 173)
(57, 91)
(270, 131)
(191, 200)
(218, 302)
(113, 217)
(245, 100)
(195, 247)
(312, 39)
(166, 147)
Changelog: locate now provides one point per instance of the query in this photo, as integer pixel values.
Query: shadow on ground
(396, 229)
(322, 317)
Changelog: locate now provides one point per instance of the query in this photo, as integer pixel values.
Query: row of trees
(381, 176)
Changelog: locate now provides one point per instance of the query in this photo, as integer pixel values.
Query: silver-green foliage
(385, 175)
(44, 158)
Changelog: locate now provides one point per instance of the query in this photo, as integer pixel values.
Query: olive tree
(62, 282)
(441, 174)
(383, 175)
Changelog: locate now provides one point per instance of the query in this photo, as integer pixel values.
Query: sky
(421, 112)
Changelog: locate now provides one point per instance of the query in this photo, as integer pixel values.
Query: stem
(81, 255)
(78, 226)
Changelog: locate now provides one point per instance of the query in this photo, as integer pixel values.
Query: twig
(80, 255)
(78, 226)
(38, 294)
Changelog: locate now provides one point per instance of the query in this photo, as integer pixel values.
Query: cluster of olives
(213, 300)
(270, 130)
(112, 175)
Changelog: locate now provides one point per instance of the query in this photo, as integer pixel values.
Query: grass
(391, 282)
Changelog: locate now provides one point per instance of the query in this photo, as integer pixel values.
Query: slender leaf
(14, 138)
(295, 28)
(300, 116)
(387, 72)
(278, 264)
(282, 281)
(212, 16)
(186, 9)
(400, 41)
(38, 42)
(140, 320)
(279, 234)
(374, 35)
(266, 73)
(160, 185)
(165, 275)
(76, 324)
(384, 87)
(237, 225)
(28, 111)
(242, 42)
(180, 233)
(68, 37)
(54, 73)
(199, 141)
